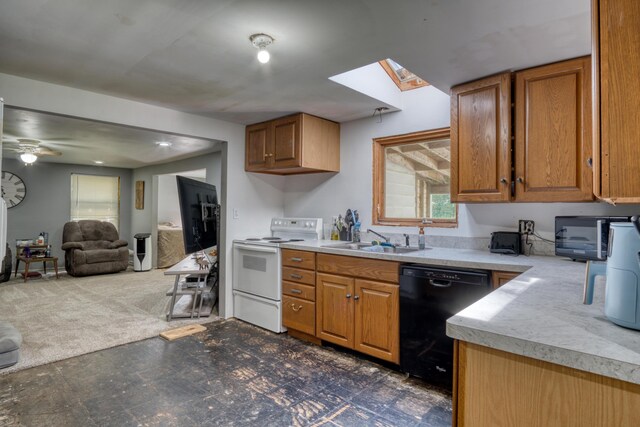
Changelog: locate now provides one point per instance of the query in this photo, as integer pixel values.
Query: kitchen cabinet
(567, 396)
(355, 307)
(480, 140)
(499, 278)
(553, 143)
(299, 293)
(549, 144)
(377, 313)
(300, 143)
(616, 66)
(335, 309)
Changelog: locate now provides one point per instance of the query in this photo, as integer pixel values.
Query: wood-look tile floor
(231, 374)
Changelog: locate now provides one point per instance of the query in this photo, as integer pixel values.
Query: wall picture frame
(139, 194)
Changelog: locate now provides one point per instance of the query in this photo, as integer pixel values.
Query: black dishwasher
(428, 297)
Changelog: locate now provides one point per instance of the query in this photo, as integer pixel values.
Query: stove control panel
(308, 226)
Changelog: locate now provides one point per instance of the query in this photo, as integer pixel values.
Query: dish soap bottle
(421, 238)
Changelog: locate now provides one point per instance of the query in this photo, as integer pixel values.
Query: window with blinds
(95, 197)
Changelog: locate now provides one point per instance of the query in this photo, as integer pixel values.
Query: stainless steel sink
(361, 246)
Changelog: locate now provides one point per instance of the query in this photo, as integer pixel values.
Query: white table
(197, 290)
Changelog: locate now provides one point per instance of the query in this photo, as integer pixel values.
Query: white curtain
(95, 197)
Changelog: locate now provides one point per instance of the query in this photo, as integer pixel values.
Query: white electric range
(257, 284)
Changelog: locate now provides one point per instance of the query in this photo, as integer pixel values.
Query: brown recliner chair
(93, 247)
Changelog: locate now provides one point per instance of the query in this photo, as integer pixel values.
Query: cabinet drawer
(300, 291)
(299, 259)
(297, 275)
(299, 314)
(359, 267)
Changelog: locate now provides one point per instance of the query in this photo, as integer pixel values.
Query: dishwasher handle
(440, 283)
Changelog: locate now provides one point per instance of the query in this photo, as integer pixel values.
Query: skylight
(403, 78)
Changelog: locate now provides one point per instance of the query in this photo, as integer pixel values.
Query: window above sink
(411, 177)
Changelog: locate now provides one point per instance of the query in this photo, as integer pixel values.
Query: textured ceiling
(84, 141)
(195, 56)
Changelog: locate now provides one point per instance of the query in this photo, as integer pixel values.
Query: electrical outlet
(526, 226)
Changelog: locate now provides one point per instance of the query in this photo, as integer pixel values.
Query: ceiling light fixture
(163, 144)
(28, 158)
(98, 162)
(261, 41)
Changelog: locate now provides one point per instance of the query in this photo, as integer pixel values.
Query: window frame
(406, 85)
(378, 210)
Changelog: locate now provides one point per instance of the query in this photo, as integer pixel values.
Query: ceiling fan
(29, 149)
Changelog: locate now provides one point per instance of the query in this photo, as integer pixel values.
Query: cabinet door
(334, 309)
(499, 278)
(377, 319)
(480, 140)
(286, 142)
(257, 148)
(617, 83)
(553, 133)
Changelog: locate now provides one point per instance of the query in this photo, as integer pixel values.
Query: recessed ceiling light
(98, 162)
(163, 144)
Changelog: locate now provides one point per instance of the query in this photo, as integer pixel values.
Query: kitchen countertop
(539, 314)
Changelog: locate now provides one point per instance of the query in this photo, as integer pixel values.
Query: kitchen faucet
(386, 239)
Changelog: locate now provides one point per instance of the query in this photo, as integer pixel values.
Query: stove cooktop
(272, 239)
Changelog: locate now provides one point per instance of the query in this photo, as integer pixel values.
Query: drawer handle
(295, 276)
(296, 291)
(293, 307)
(296, 259)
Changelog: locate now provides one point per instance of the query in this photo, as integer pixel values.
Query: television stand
(191, 295)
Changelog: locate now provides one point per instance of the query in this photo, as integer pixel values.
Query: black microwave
(584, 237)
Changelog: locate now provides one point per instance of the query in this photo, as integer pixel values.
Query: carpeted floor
(63, 318)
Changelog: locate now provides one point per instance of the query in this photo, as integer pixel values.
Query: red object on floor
(32, 274)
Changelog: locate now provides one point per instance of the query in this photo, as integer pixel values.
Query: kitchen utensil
(622, 269)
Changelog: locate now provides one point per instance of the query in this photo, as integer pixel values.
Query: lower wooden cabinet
(299, 314)
(359, 314)
(493, 388)
(377, 314)
(334, 315)
(499, 278)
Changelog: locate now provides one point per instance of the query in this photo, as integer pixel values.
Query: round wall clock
(13, 189)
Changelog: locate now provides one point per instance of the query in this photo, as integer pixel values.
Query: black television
(198, 207)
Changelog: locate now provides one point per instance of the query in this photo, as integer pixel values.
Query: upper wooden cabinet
(294, 144)
(553, 145)
(616, 78)
(480, 140)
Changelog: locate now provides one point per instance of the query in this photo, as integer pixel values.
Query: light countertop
(539, 314)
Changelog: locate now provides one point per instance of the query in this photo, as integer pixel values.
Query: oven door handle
(256, 248)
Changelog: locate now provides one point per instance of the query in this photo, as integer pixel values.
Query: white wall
(326, 195)
(258, 198)
(168, 207)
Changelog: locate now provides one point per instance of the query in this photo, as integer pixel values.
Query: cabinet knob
(520, 180)
(590, 162)
(348, 295)
(356, 297)
(504, 181)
